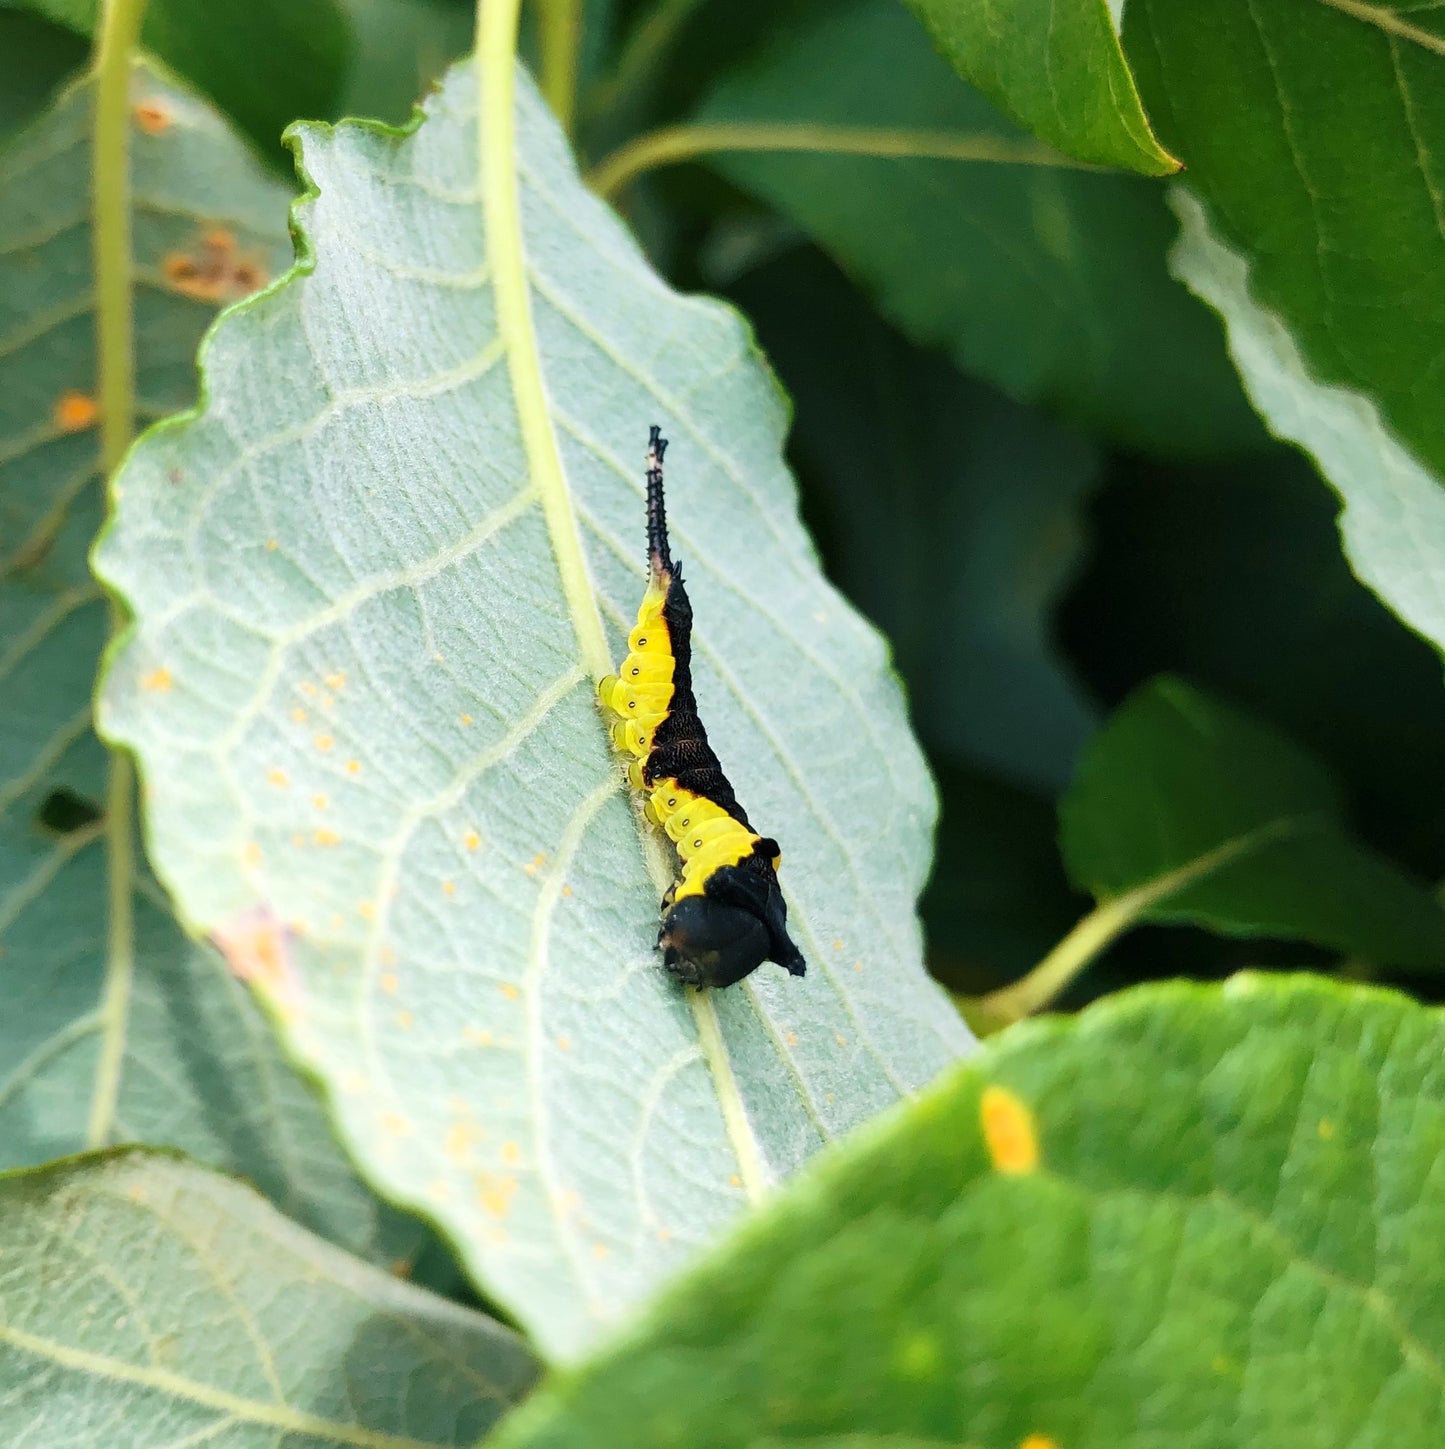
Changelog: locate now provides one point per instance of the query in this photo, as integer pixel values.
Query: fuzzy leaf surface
(367, 574)
(144, 1301)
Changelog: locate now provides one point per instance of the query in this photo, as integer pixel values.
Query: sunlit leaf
(371, 572)
(1188, 1217)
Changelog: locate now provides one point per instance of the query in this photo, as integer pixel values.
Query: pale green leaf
(144, 1301)
(1393, 523)
(198, 1067)
(371, 569)
(1229, 1237)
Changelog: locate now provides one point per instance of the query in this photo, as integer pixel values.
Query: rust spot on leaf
(257, 948)
(159, 679)
(152, 116)
(75, 411)
(213, 268)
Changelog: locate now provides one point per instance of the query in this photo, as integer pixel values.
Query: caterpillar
(724, 915)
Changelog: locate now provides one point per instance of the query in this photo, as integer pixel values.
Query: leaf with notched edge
(380, 777)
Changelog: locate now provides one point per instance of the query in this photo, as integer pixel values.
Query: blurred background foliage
(1022, 448)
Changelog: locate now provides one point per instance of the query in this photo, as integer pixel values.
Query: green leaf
(264, 62)
(1186, 810)
(1048, 282)
(1230, 1237)
(1056, 67)
(400, 48)
(182, 1056)
(35, 58)
(138, 1290)
(921, 474)
(375, 571)
(1393, 524)
(1232, 576)
(1312, 128)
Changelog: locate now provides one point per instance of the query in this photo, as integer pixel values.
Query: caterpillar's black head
(738, 922)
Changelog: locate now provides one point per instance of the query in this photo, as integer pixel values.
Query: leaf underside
(376, 774)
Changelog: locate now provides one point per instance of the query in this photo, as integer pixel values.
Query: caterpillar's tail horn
(658, 553)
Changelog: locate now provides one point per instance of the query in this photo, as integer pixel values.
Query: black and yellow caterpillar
(725, 914)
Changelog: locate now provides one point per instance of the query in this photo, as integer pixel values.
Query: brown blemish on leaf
(1008, 1132)
(75, 411)
(257, 948)
(152, 116)
(213, 268)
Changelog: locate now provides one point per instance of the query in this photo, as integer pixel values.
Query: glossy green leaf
(1048, 282)
(951, 517)
(264, 62)
(1393, 524)
(1226, 1234)
(184, 1057)
(1186, 810)
(144, 1301)
(1313, 130)
(369, 575)
(1054, 66)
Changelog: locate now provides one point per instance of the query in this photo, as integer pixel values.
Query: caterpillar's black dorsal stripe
(725, 914)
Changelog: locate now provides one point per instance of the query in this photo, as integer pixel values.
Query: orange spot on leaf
(471, 840)
(1008, 1131)
(213, 269)
(323, 743)
(510, 991)
(327, 837)
(75, 411)
(277, 776)
(389, 983)
(335, 680)
(496, 1193)
(158, 679)
(152, 116)
(353, 767)
(1039, 1441)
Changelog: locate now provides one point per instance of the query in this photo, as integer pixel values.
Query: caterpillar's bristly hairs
(659, 555)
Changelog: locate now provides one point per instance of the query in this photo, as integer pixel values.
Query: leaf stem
(1108, 920)
(671, 144)
(506, 252)
(559, 27)
(116, 37)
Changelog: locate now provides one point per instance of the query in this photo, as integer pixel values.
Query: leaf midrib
(496, 61)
